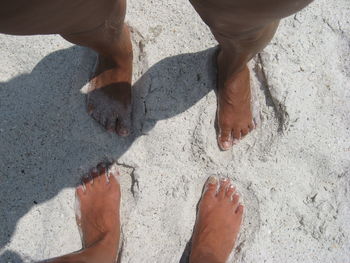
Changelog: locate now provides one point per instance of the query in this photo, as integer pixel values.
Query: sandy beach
(293, 171)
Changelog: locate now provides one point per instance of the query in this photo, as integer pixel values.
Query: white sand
(292, 172)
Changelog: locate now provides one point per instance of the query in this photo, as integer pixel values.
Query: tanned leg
(242, 28)
(218, 223)
(109, 92)
(97, 24)
(98, 219)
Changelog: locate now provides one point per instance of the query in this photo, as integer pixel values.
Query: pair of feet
(218, 220)
(109, 98)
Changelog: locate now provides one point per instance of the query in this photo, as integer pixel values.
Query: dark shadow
(11, 257)
(186, 254)
(47, 140)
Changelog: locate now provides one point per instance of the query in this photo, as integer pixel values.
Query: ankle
(229, 65)
(203, 256)
(103, 250)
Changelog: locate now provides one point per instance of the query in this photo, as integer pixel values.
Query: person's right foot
(98, 216)
(109, 92)
(218, 223)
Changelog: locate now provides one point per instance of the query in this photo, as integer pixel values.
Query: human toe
(240, 209)
(111, 124)
(224, 183)
(230, 190)
(237, 133)
(244, 131)
(235, 201)
(79, 191)
(122, 127)
(225, 139)
(211, 186)
(87, 181)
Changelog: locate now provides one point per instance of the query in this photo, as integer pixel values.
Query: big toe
(80, 192)
(211, 187)
(225, 139)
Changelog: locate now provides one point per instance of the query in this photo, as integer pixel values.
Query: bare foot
(109, 91)
(218, 223)
(99, 219)
(234, 106)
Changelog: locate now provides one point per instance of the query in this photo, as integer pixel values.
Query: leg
(98, 219)
(109, 92)
(218, 222)
(242, 28)
(97, 24)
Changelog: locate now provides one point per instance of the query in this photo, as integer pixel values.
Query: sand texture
(293, 171)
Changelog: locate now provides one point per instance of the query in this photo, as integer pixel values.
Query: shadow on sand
(48, 140)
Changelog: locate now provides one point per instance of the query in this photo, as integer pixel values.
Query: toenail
(224, 179)
(123, 132)
(226, 144)
(81, 188)
(231, 186)
(212, 180)
(87, 178)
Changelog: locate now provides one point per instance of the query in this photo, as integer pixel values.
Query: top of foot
(234, 107)
(218, 223)
(109, 91)
(98, 216)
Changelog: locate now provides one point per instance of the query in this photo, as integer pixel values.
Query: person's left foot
(234, 105)
(98, 216)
